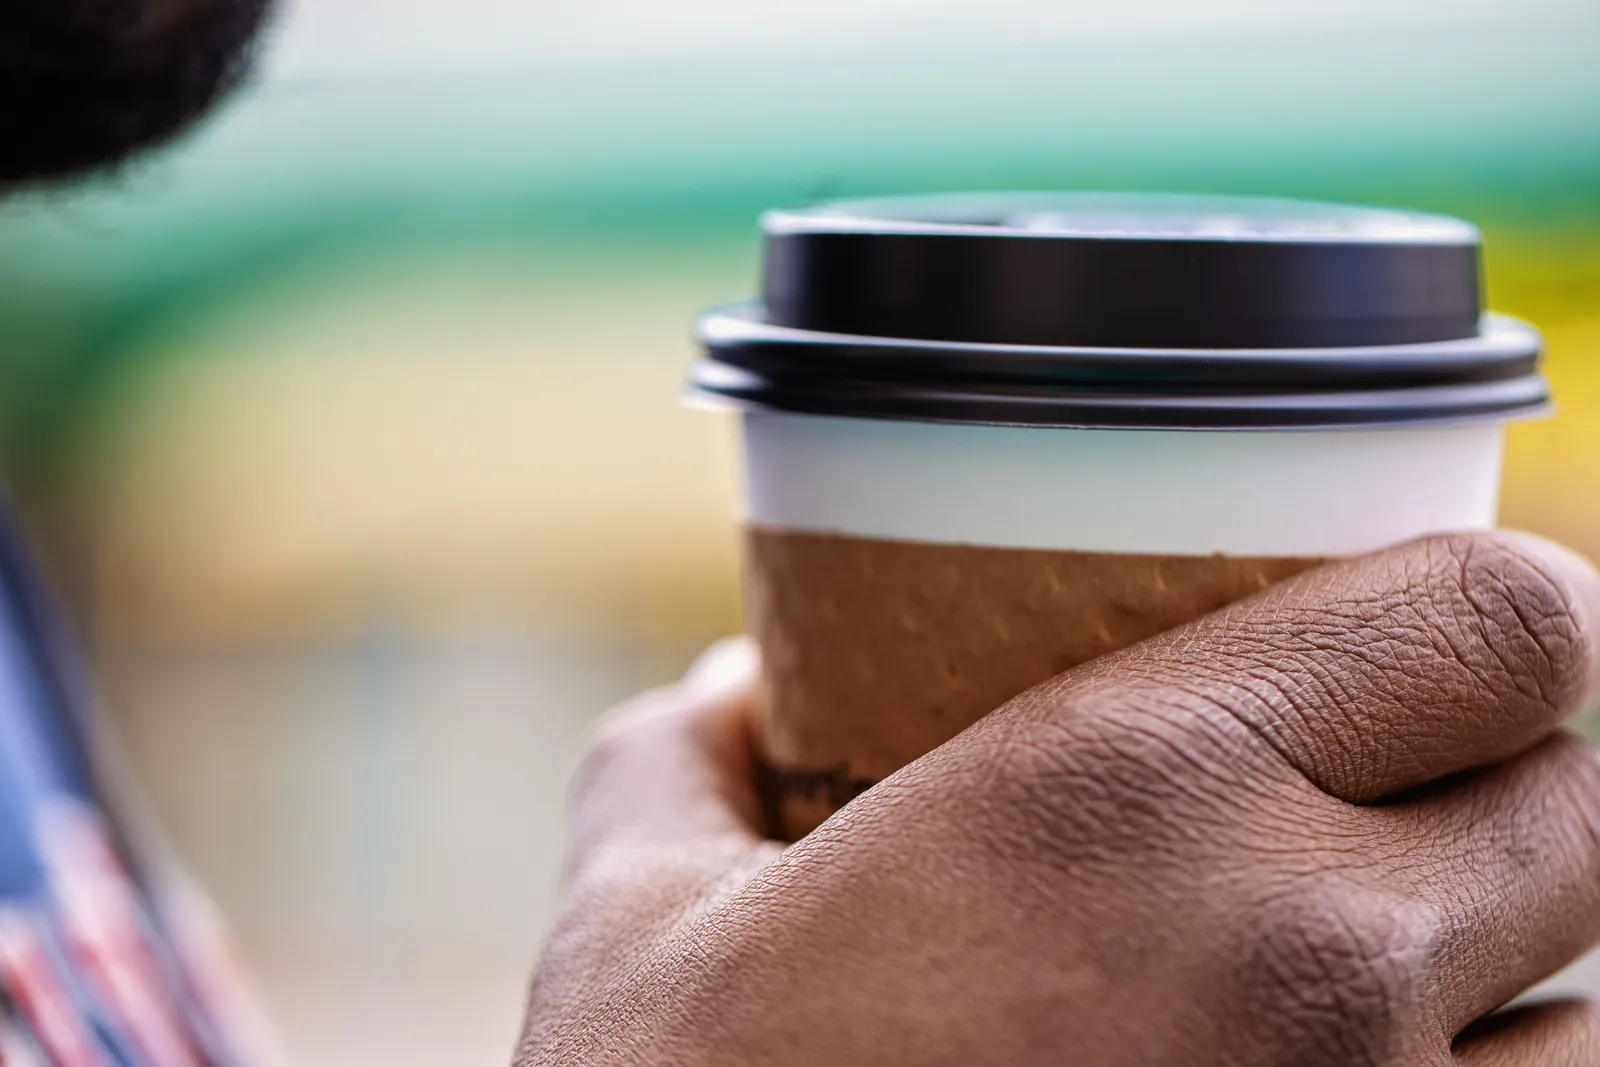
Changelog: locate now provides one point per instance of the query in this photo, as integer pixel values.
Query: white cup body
(1159, 492)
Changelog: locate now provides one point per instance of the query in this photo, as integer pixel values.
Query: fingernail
(724, 667)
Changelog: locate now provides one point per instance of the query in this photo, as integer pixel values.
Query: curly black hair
(85, 83)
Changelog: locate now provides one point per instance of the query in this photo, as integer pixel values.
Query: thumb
(671, 772)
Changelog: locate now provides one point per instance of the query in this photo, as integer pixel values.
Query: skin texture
(1335, 824)
(84, 83)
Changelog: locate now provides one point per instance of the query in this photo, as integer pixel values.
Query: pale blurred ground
(363, 536)
(380, 821)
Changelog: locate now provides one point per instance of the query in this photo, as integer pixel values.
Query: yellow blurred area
(437, 438)
(1553, 468)
(1552, 481)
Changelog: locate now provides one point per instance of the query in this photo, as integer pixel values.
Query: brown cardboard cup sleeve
(875, 652)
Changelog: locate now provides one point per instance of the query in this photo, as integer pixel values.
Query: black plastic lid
(1072, 309)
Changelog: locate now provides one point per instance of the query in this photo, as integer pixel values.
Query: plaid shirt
(107, 958)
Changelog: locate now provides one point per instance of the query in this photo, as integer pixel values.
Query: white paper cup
(1154, 492)
(988, 439)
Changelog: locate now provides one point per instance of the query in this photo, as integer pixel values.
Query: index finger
(1376, 675)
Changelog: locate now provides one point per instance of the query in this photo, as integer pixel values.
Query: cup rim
(752, 364)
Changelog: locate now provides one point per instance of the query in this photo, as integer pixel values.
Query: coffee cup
(988, 438)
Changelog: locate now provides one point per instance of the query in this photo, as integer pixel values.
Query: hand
(1334, 824)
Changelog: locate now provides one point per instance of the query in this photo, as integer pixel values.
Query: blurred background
(349, 428)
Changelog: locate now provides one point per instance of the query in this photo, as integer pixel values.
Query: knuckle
(1070, 786)
(1347, 964)
(1526, 635)
(1040, 789)
(1053, 760)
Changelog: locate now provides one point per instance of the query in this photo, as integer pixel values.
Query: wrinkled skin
(1335, 824)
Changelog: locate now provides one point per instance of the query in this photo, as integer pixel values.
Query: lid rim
(744, 323)
(739, 336)
(1512, 400)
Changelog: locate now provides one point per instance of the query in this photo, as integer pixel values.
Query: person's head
(83, 83)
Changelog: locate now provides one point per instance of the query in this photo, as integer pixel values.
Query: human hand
(1334, 824)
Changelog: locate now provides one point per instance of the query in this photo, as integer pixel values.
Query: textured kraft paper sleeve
(875, 652)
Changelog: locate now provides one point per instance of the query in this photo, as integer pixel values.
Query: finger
(1376, 675)
(1510, 859)
(1563, 1033)
(663, 812)
(673, 767)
